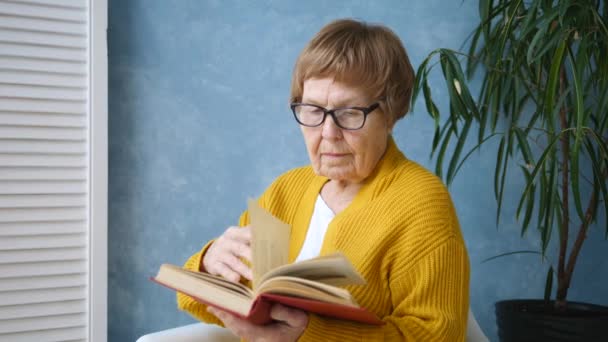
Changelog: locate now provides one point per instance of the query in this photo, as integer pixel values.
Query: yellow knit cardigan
(400, 232)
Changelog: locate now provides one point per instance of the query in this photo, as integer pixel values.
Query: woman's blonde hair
(361, 54)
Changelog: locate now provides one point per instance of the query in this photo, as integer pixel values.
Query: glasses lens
(309, 115)
(350, 118)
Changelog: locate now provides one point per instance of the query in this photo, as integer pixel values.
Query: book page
(303, 288)
(206, 288)
(269, 242)
(220, 281)
(333, 269)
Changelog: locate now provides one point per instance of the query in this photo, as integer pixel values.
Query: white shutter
(53, 140)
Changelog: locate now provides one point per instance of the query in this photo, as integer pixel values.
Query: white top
(321, 217)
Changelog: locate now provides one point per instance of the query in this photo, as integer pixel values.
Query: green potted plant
(544, 96)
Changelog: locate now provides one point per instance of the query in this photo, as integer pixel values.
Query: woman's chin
(338, 174)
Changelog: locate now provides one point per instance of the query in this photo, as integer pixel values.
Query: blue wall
(199, 122)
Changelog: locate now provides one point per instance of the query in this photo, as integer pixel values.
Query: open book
(311, 285)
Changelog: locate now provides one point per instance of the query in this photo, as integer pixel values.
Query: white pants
(201, 332)
(198, 332)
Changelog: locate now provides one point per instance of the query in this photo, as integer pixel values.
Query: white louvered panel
(41, 78)
(45, 228)
(42, 119)
(41, 255)
(39, 159)
(41, 241)
(42, 214)
(42, 133)
(36, 201)
(29, 10)
(46, 52)
(41, 296)
(42, 187)
(42, 160)
(67, 334)
(47, 173)
(42, 106)
(42, 269)
(42, 25)
(49, 322)
(42, 147)
(42, 309)
(43, 282)
(42, 65)
(44, 170)
(42, 38)
(79, 4)
(42, 93)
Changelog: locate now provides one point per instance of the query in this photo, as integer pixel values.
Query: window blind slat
(14, 146)
(43, 282)
(28, 10)
(42, 25)
(49, 322)
(42, 255)
(42, 187)
(34, 201)
(36, 78)
(33, 173)
(41, 241)
(42, 309)
(47, 52)
(57, 3)
(42, 214)
(42, 93)
(42, 227)
(65, 334)
(42, 120)
(8, 35)
(42, 65)
(42, 160)
(46, 106)
(41, 269)
(42, 133)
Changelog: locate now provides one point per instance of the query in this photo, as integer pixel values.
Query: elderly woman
(392, 218)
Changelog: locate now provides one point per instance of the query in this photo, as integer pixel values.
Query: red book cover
(260, 311)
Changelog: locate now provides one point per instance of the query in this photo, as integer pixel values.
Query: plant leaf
(539, 165)
(599, 180)
(579, 114)
(431, 108)
(456, 154)
(421, 77)
(497, 167)
(444, 146)
(523, 145)
(510, 253)
(553, 78)
(549, 285)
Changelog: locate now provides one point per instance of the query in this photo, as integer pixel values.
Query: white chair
(474, 332)
(197, 332)
(200, 332)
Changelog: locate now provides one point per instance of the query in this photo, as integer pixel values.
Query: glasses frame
(366, 111)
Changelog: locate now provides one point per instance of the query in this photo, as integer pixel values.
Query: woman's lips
(333, 155)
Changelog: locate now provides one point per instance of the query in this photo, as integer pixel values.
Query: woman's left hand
(290, 324)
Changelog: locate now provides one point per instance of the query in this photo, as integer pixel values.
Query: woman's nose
(330, 129)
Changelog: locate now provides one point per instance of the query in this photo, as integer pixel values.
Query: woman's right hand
(223, 257)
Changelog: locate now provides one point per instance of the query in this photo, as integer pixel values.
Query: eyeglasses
(350, 118)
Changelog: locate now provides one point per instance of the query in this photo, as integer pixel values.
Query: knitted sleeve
(430, 302)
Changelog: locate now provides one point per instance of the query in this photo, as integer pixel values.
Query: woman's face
(344, 155)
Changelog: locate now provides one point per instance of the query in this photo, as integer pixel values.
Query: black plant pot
(534, 320)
